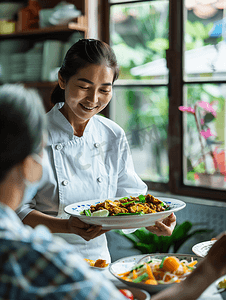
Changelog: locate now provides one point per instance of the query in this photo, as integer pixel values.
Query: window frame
(174, 56)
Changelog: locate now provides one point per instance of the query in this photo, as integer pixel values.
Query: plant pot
(215, 180)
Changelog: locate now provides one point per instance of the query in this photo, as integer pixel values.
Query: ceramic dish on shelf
(10, 9)
(123, 222)
(126, 264)
(201, 249)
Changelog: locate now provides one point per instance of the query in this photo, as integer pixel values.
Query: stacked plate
(34, 63)
(5, 70)
(18, 67)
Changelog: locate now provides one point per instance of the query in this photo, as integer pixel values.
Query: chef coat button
(65, 182)
(99, 179)
(58, 147)
(96, 145)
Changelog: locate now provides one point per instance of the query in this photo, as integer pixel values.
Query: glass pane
(204, 125)
(139, 37)
(205, 39)
(143, 114)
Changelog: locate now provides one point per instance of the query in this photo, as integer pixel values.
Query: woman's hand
(86, 231)
(165, 227)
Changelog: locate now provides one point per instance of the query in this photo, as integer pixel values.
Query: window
(170, 97)
(139, 35)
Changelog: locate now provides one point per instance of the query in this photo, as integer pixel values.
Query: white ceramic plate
(123, 222)
(201, 249)
(125, 264)
(99, 269)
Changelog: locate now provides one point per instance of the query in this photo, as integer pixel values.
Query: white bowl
(9, 9)
(126, 264)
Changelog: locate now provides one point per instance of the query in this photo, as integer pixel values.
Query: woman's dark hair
(22, 123)
(82, 53)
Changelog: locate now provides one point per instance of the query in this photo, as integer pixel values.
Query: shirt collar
(62, 123)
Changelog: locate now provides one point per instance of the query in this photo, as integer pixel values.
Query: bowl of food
(126, 212)
(154, 272)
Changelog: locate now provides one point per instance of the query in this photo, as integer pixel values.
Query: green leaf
(87, 212)
(124, 198)
(162, 262)
(142, 198)
(141, 278)
(208, 118)
(123, 214)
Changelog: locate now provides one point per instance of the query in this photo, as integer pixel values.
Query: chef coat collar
(64, 124)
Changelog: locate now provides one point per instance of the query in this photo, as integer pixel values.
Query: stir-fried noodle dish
(143, 204)
(160, 271)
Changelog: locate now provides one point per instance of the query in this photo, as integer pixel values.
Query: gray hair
(22, 125)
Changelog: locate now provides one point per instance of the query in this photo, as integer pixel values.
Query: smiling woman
(86, 94)
(87, 156)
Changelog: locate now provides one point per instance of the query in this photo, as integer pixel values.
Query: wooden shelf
(47, 30)
(40, 84)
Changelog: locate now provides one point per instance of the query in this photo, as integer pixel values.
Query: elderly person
(33, 263)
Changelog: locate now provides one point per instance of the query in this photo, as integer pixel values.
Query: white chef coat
(97, 165)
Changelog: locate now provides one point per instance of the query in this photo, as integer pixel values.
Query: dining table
(211, 293)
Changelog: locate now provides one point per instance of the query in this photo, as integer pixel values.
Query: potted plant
(147, 242)
(210, 166)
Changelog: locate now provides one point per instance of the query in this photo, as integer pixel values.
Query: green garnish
(87, 212)
(142, 198)
(128, 202)
(161, 264)
(191, 268)
(123, 198)
(162, 204)
(137, 267)
(140, 278)
(136, 213)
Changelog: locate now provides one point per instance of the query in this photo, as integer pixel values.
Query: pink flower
(202, 121)
(207, 107)
(220, 161)
(196, 176)
(187, 109)
(206, 134)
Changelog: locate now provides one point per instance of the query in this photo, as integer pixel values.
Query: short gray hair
(22, 123)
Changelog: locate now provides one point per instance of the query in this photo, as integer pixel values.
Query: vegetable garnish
(142, 198)
(161, 264)
(136, 213)
(87, 212)
(159, 271)
(124, 198)
(141, 278)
